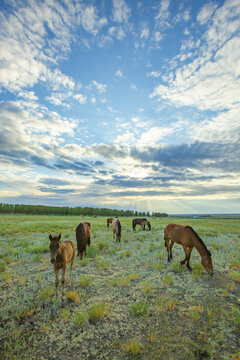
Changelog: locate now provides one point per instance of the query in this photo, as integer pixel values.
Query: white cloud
(118, 73)
(163, 13)
(206, 12)
(134, 87)
(144, 33)
(154, 74)
(211, 80)
(121, 12)
(82, 99)
(90, 20)
(101, 88)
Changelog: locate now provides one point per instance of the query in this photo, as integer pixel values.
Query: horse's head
(149, 226)
(54, 247)
(207, 263)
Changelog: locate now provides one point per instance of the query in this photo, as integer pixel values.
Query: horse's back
(69, 248)
(179, 233)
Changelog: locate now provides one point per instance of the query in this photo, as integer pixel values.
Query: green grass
(126, 301)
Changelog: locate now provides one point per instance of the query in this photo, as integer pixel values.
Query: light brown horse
(116, 226)
(188, 238)
(109, 221)
(142, 221)
(61, 254)
(83, 234)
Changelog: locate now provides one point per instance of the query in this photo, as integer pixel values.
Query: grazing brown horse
(83, 233)
(109, 221)
(143, 222)
(188, 238)
(116, 226)
(61, 254)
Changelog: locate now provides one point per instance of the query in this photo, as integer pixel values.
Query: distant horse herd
(63, 253)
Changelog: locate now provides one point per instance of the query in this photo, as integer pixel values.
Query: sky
(121, 104)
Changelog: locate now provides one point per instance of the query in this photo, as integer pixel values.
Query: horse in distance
(141, 221)
(188, 238)
(61, 254)
(83, 236)
(116, 226)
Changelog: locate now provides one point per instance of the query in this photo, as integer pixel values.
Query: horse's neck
(199, 245)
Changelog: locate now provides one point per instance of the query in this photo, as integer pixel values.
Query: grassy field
(126, 301)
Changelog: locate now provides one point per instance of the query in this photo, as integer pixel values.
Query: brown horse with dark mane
(83, 233)
(116, 226)
(61, 254)
(188, 238)
(143, 222)
(109, 221)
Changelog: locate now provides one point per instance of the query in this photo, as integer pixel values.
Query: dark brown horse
(83, 233)
(143, 222)
(188, 238)
(109, 221)
(61, 254)
(116, 226)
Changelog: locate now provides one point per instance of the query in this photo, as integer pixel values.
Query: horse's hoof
(182, 262)
(189, 268)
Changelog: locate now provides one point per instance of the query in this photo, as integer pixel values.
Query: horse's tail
(133, 224)
(119, 228)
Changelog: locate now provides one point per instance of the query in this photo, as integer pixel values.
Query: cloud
(144, 33)
(120, 12)
(82, 99)
(101, 88)
(211, 79)
(89, 20)
(163, 13)
(206, 12)
(119, 73)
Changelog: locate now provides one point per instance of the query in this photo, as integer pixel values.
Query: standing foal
(61, 254)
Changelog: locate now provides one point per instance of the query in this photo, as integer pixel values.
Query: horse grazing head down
(54, 247)
(207, 263)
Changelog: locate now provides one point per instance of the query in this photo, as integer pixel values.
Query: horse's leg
(189, 250)
(56, 271)
(170, 248)
(64, 268)
(167, 246)
(186, 252)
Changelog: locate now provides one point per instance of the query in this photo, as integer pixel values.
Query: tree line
(66, 210)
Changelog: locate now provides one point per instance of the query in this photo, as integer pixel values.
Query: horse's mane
(199, 239)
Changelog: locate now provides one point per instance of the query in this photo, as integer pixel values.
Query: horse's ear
(59, 237)
(50, 237)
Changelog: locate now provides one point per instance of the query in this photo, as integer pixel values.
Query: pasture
(126, 300)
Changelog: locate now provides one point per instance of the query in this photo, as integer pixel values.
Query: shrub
(85, 280)
(235, 276)
(46, 293)
(84, 262)
(97, 312)
(2, 266)
(134, 348)
(168, 279)
(73, 296)
(236, 315)
(139, 308)
(80, 318)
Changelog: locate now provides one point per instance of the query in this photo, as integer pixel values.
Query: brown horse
(61, 254)
(188, 238)
(116, 226)
(109, 221)
(143, 222)
(83, 233)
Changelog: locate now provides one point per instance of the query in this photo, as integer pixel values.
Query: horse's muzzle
(53, 261)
